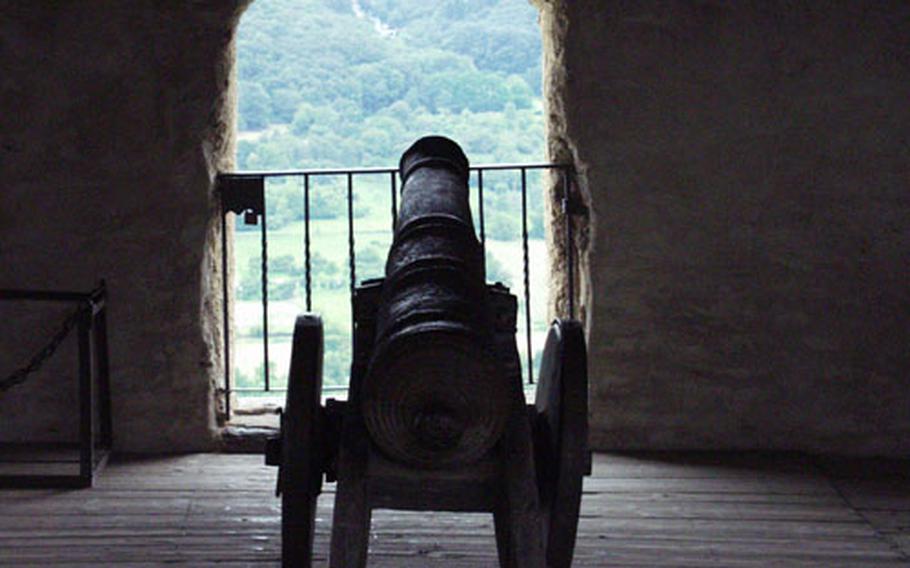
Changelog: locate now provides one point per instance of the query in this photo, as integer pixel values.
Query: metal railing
(63, 464)
(246, 194)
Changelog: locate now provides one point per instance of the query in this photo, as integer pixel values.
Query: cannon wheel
(561, 433)
(303, 437)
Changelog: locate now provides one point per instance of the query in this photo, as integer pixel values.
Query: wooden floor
(638, 510)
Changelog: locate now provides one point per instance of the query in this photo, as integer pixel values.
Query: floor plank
(646, 509)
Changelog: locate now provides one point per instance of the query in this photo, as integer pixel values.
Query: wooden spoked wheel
(560, 437)
(302, 446)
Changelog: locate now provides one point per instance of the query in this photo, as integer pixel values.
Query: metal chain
(18, 377)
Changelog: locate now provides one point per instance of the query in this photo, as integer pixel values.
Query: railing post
(265, 301)
(352, 264)
(226, 316)
(102, 360)
(86, 396)
(306, 243)
(394, 183)
(526, 262)
(483, 233)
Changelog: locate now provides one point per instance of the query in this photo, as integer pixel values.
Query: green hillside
(352, 83)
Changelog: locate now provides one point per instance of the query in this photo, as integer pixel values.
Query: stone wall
(744, 259)
(747, 165)
(115, 118)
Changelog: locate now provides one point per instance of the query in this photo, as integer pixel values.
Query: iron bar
(526, 262)
(352, 265)
(226, 316)
(483, 234)
(357, 171)
(102, 360)
(265, 302)
(394, 200)
(87, 400)
(306, 241)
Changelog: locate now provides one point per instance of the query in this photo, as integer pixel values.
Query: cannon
(436, 417)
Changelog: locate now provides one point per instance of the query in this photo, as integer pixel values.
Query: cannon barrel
(434, 394)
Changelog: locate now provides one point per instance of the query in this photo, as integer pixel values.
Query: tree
(284, 104)
(503, 226)
(284, 264)
(304, 117)
(255, 106)
(496, 271)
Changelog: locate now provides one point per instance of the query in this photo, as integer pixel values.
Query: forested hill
(326, 83)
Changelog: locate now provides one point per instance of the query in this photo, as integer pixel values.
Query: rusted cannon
(436, 417)
(434, 395)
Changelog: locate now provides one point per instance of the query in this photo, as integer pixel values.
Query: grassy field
(330, 281)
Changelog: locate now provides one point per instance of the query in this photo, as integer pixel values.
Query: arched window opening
(330, 92)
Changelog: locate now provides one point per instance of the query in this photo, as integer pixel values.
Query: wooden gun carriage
(436, 417)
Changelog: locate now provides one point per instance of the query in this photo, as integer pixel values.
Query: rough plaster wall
(748, 165)
(116, 117)
(561, 149)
